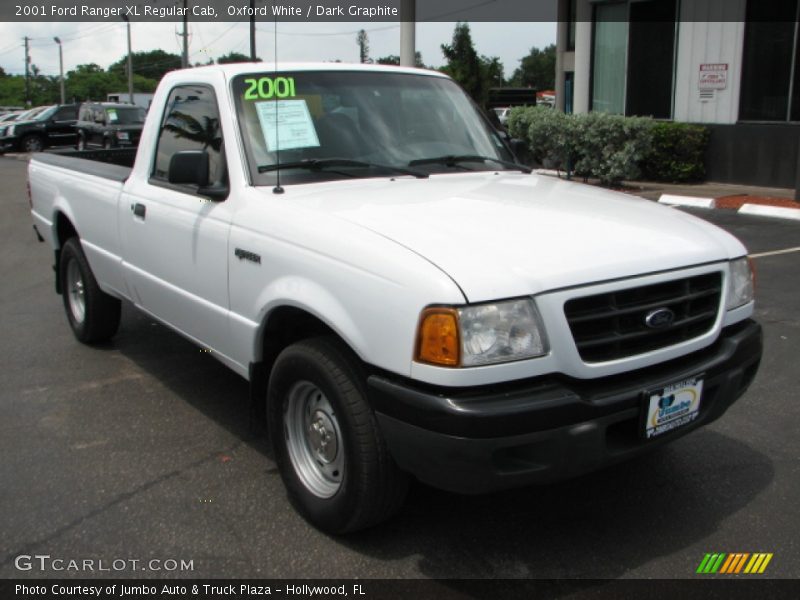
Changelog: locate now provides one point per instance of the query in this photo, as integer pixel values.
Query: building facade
(733, 65)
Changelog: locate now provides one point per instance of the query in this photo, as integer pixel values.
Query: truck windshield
(365, 118)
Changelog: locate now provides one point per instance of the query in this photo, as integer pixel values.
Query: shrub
(611, 147)
(677, 153)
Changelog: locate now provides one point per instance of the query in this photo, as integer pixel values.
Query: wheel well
(284, 326)
(64, 230)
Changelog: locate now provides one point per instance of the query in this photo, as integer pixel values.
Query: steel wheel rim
(76, 292)
(313, 439)
(33, 145)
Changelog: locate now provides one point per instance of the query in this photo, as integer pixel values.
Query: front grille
(612, 325)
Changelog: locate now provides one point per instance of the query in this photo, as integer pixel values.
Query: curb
(779, 212)
(760, 210)
(692, 201)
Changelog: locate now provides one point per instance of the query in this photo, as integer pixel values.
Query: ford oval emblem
(659, 318)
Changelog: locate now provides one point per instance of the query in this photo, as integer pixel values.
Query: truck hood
(500, 235)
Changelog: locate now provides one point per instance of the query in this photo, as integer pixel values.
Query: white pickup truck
(403, 297)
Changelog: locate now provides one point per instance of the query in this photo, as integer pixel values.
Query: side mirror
(189, 166)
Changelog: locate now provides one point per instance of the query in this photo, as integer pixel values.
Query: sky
(105, 43)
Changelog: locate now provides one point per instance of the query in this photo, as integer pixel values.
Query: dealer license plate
(673, 406)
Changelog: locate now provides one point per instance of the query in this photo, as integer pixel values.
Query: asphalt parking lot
(143, 449)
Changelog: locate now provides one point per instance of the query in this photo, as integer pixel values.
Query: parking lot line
(774, 252)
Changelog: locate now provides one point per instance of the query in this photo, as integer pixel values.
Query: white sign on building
(713, 76)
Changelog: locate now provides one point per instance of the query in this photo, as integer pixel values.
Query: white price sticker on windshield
(286, 124)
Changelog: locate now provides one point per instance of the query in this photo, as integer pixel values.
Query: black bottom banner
(380, 589)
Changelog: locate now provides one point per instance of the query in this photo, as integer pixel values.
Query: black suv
(109, 125)
(54, 126)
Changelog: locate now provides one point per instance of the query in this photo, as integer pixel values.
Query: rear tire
(93, 315)
(330, 452)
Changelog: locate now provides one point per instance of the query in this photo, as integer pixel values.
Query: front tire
(330, 452)
(93, 315)
(32, 143)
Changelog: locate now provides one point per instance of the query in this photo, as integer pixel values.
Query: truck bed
(113, 164)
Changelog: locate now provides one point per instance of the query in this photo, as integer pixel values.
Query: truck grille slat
(612, 325)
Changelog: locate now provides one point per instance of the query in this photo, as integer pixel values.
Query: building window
(769, 64)
(609, 57)
(569, 91)
(572, 7)
(633, 60)
(651, 58)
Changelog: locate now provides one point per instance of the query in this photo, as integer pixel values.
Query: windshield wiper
(317, 164)
(453, 160)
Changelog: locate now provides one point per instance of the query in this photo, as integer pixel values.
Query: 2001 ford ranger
(404, 298)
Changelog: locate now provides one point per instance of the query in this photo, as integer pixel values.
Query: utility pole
(185, 34)
(408, 25)
(27, 73)
(60, 68)
(253, 30)
(130, 60)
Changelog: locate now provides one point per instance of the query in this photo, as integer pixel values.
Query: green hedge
(611, 147)
(678, 152)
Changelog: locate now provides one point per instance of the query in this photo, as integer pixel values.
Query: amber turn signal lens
(438, 342)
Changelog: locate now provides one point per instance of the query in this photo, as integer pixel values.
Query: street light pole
(60, 67)
(130, 60)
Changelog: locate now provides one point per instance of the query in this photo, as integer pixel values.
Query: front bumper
(494, 437)
(7, 144)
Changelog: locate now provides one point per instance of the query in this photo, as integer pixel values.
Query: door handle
(138, 210)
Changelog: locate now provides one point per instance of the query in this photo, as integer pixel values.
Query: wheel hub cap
(76, 292)
(313, 439)
(322, 437)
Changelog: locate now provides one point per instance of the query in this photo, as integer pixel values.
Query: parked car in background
(54, 126)
(502, 114)
(12, 116)
(19, 116)
(109, 125)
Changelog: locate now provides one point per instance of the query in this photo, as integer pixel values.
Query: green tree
(537, 70)
(43, 89)
(475, 73)
(234, 57)
(152, 64)
(363, 45)
(91, 82)
(493, 71)
(393, 59)
(12, 90)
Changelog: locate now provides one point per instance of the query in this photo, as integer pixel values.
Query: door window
(191, 122)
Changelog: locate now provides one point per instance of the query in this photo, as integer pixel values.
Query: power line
(328, 33)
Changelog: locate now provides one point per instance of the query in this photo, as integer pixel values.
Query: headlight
(481, 334)
(10, 130)
(740, 283)
(123, 135)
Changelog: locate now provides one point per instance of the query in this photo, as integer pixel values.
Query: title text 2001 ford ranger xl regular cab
(358, 242)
